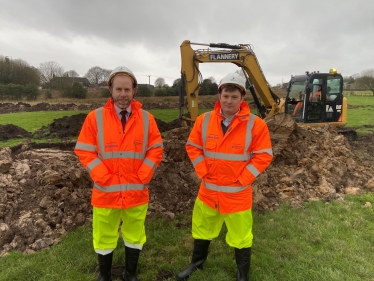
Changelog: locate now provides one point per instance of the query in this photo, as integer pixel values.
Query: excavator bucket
(281, 126)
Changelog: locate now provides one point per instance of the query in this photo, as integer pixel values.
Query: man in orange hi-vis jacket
(228, 147)
(120, 146)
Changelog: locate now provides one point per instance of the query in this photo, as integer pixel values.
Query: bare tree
(366, 80)
(71, 73)
(97, 75)
(48, 70)
(159, 82)
(106, 74)
(368, 72)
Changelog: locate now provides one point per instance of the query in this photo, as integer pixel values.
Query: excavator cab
(316, 98)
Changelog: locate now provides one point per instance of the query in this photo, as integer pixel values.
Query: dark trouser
(199, 255)
(243, 263)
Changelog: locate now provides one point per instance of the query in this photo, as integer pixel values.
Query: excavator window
(333, 87)
(295, 99)
(296, 92)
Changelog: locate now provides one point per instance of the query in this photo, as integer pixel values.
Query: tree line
(362, 81)
(19, 80)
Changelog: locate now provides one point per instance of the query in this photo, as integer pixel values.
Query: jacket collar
(243, 114)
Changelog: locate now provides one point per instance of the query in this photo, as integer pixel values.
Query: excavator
(312, 99)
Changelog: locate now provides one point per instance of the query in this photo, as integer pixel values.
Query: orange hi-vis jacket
(120, 162)
(228, 164)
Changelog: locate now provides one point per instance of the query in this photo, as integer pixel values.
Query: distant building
(102, 85)
(70, 81)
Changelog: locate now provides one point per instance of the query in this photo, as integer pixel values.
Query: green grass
(361, 100)
(361, 116)
(31, 121)
(323, 241)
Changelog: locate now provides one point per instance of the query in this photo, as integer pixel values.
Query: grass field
(361, 113)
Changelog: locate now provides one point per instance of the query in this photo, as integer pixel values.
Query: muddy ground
(44, 191)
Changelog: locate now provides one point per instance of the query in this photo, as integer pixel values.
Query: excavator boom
(241, 55)
(303, 104)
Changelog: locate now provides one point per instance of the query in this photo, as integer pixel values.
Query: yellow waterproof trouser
(105, 223)
(207, 224)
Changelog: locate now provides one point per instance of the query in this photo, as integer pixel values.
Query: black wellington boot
(243, 262)
(199, 255)
(131, 264)
(105, 264)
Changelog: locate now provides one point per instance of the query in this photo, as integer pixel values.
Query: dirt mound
(65, 127)
(10, 131)
(164, 126)
(25, 107)
(313, 164)
(70, 126)
(45, 192)
(43, 106)
(173, 105)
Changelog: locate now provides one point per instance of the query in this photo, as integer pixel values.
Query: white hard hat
(233, 78)
(124, 70)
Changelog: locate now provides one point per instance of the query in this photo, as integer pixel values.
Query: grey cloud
(289, 37)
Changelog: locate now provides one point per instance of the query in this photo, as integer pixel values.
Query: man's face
(122, 91)
(230, 101)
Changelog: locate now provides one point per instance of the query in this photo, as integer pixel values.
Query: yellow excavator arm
(241, 55)
(277, 112)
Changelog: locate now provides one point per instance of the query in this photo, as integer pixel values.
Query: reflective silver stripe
(122, 154)
(158, 144)
(252, 169)
(267, 150)
(93, 164)
(100, 130)
(146, 130)
(248, 135)
(120, 187)
(85, 146)
(197, 160)
(194, 144)
(205, 127)
(228, 189)
(227, 156)
(150, 163)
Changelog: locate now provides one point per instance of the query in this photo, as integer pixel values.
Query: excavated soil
(44, 191)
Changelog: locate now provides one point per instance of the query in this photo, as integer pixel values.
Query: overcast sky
(288, 37)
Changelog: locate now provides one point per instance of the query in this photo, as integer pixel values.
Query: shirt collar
(228, 120)
(118, 110)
